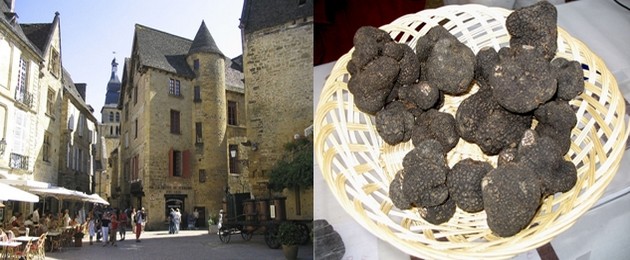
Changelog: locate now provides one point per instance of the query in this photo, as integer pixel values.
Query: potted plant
(289, 236)
(213, 220)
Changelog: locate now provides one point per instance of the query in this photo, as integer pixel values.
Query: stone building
(181, 101)
(40, 111)
(110, 184)
(277, 40)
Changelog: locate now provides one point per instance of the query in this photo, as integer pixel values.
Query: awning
(7, 192)
(60, 193)
(95, 198)
(29, 184)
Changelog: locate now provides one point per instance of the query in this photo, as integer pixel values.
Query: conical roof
(204, 42)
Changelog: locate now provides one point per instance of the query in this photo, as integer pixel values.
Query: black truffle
(487, 58)
(540, 153)
(445, 62)
(396, 194)
(507, 155)
(394, 123)
(556, 119)
(440, 213)
(570, 78)
(511, 196)
(464, 184)
(419, 95)
(562, 179)
(369, 43)
(535, 25)
(436, 125)
(425, 170)
(522, 79)
(373, 84)
(409, 66)
(482, 121)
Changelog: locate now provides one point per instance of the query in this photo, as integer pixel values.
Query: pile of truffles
(404, 89)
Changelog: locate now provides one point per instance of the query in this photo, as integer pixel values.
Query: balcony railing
(24, 97)
(18, 161)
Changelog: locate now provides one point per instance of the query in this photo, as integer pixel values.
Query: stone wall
(278, 70)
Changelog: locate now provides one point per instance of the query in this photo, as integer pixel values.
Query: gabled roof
(161, 50)
(237, 63)
(204, 42)
(260, 14)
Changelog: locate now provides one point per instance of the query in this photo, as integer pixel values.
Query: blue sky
(91, 31)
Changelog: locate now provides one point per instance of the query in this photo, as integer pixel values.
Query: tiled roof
(162, 50)
(38, 34)
(233, 78)
(260, 14)
(204, 42)
(10, 20)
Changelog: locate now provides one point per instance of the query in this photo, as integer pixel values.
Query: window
(231, 116)
(68, 156)
(55, 65)
(175, 122)
(117, 116)
(179, 163)
(126, 139)
(197, 94)
(21, 91)
(111, 116)
(135, 95)
(126, 111)
(46, 147)
(174, 87)
(196, 64)
(111, 130)
(50, 102)
(202, 175)
(198, 133)
(135, 166)
(136, 128)
(81, 125)
(233, 158)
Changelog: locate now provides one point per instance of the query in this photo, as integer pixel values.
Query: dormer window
(54, 65)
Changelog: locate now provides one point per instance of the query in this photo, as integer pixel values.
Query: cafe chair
(38, 249)
(23, 252)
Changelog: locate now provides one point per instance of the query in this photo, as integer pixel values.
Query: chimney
(81, 89)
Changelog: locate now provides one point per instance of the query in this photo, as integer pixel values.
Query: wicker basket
(358, 166)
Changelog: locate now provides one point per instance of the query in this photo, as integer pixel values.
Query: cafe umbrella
(8, 192)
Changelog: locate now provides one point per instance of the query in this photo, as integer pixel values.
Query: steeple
(113, 86)
(204, 42)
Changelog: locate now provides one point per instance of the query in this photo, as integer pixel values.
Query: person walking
(171, 221)
(122, 224)
(91, 226)
(105, 221)
(195, 218)
(139, 221)
(177, 220)
(113, 227)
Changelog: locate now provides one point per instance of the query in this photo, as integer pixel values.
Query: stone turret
(209, 109)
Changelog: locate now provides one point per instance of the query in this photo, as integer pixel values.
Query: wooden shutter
(170, 162)
(186, 164)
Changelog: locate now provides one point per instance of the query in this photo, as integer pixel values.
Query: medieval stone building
(109, 183)
(278, 71)
(180, 103)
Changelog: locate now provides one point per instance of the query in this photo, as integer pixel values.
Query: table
(52, 243)
(601, 233)
(5, 248)
(26, 239)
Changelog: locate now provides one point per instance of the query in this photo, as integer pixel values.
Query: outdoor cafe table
(53, 235)
(26, 239)
(6, 245)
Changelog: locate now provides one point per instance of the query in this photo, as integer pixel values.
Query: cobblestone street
(188, 244)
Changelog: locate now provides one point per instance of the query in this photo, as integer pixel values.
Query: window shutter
(186, 164)
(170, 162)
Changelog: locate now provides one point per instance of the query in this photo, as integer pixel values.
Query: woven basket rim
(495, 247)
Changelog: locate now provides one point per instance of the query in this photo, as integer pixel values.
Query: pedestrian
(133, 220)
(191, 222)
(105, 221)
(195, 218)
(113, 227)
(66, 218)
(140, 220)
(35, 216)
(122, 225)
(91, 226)
(171, 221)
(177, 220)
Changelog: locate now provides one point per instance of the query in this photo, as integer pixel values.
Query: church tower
(209, 117)
(110, 114)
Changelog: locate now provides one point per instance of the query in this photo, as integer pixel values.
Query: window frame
(174, 87)
(175, 122)
(232, 113)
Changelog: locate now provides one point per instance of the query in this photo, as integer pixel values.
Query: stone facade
(278, 71)
(174, 143)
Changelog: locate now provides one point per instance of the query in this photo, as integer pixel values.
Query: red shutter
(170, 162)
(186, 164)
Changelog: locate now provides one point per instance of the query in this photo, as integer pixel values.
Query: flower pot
(290, 252)
(213, 229)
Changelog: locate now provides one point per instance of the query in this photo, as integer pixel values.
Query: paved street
(194, 244)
